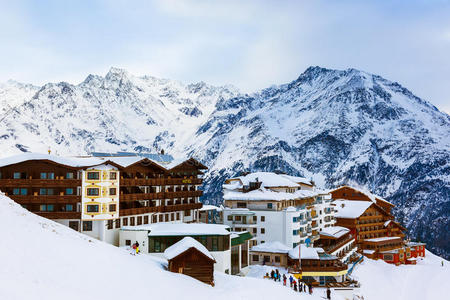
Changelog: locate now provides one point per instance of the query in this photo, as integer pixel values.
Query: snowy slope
(41, 259)
(339, 127)
(426, 280)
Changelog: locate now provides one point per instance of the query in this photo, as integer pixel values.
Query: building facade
(276, 207)
(97, 195)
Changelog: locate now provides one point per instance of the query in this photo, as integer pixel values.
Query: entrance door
(74, 225)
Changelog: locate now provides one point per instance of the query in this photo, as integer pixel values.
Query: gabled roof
(334, 231)
(271, 247)
(305, 252)
(365, 192)
(350, 209)
(184, 245)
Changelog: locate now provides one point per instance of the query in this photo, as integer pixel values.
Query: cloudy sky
(250, 44)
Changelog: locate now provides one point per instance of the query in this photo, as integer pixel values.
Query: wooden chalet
(191, 258)
(338, 241)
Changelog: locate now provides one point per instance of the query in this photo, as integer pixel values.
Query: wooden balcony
(45, 199)
(141, 196)
(30, 183)
(155, 209)
(162, 195)
(60, 215)
(159, 181)
(370, 224)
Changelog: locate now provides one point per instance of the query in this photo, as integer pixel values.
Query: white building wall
(140, 236)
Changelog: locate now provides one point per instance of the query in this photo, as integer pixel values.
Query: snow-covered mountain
(334, 126)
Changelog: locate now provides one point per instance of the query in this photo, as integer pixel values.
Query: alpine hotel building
(98, 194)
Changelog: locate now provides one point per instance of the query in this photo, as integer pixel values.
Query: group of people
(135, 247)
(297, 285)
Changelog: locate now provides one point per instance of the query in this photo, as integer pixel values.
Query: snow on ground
(41, 259)
(426, 280)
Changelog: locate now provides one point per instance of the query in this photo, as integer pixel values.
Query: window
(93, 191)
(255, 218)
(112, 207)
(161, 218)
(50, 175)
(117, 223)
(23, 191)
(178, 216)
(388, 257)
(277, 259)
(263, 230)
(254, 230)
(42, 207)
(269, 205)
(263, 218)
(127, 242)
(131, 221)
(167, 217)
(69, 175)
(112, 175)
(16, 191)
(87, 225)
(43, 175)
(139, 220)
(266, 258)
(230, 218)
(92, 208)
(16, 175)
(237, 218)
(50, 192)
(69, 207)
(110, 224)
(112, 191)
(69, 191)
(50, 207)
(145, 219)
(255, 258)
(93, 175)
(187, 213)
(125, 221)
(242, 205)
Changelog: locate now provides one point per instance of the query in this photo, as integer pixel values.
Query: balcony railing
(60, 215)
(155, 209)
(161, 195)
(45, 199)
(159, 181)
(17, 183)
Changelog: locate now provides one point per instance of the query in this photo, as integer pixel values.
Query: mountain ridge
(335, 126)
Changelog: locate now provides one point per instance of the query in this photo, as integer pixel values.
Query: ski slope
(41, 259)
(426, 280)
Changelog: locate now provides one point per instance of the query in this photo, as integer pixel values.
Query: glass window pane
(42, 191)
(51, 176)
(69, 191)
(16, 175)
(50, 207)
(16, 191)
(43, 175)
(23, 191)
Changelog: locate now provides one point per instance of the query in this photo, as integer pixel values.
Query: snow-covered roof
(271, 247)
(415, 244)
(268, 179)
(266, 194)
(297, 179)
(68, 161)
(125, 161)
(350, 209)
(181, 229)
(382, 239)
(305, 252)
(184, 245)
(210, 207)
(364, 191)
(368, 251)
(239, 211)
(334, 231)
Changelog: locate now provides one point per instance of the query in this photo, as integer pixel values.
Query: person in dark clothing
(310, 288)
(291, 280)
(278, 274)
(300, 286)
(272, 274)
(284, 279)
(295, 286)
(304, 287)
(328, 293)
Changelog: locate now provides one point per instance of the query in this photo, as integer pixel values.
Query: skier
(295, 286)
(278, 274)
(310, 288)
(300, 286)
(275, 276)
(328, 293)
(290, 280)
(134, 249)
(272, 274)
(137, 247)
(284, 279)
(304, 287)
